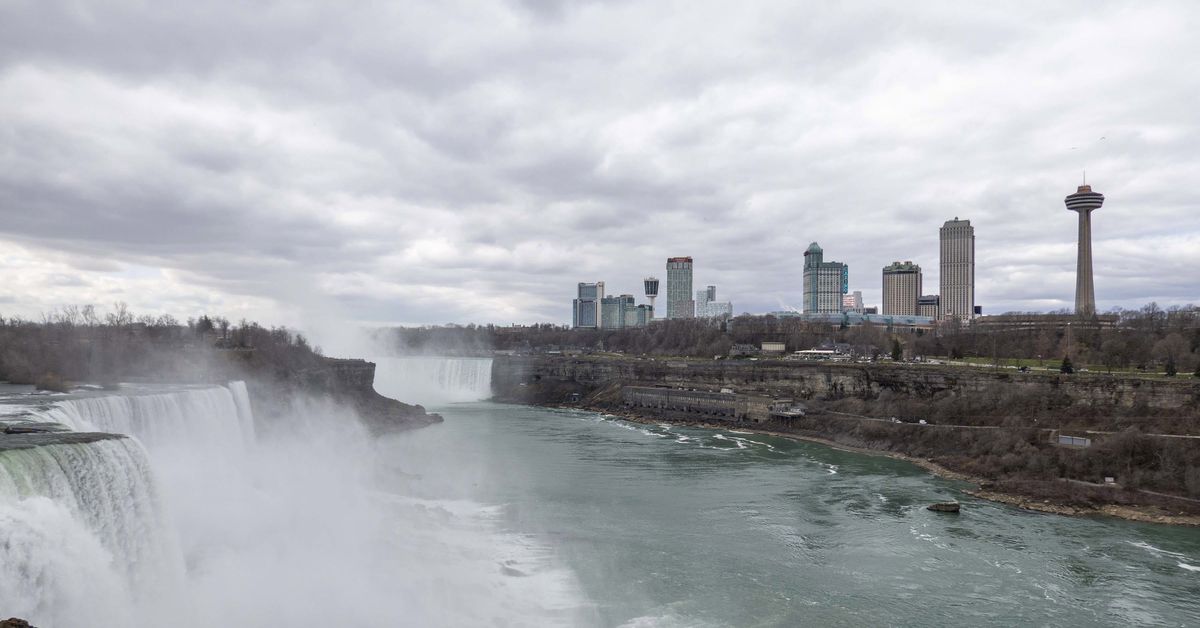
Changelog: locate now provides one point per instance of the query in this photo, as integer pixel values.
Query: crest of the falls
(431, 380)
(212, 417)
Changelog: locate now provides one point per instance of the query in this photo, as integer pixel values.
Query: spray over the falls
(434, 380)
(205, 515)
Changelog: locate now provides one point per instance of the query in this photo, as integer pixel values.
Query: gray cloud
(432, 162)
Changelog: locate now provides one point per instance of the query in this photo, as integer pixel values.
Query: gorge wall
(549, 379)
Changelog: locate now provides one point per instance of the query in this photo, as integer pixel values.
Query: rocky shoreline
(983, 490)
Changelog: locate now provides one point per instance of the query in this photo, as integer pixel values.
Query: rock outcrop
(352, 381)
(539, 379)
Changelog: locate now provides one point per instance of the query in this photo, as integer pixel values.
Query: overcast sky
(403, 162)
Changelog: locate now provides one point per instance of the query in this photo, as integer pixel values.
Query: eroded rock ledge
(352, 381)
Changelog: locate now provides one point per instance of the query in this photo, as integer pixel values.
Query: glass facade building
(585, 309)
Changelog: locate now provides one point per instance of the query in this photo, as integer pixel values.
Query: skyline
(402, 167)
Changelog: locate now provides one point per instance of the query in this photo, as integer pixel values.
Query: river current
(661, 525)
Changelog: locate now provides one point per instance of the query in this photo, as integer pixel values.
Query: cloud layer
(469, 161)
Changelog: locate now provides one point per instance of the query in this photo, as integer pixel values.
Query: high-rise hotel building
(679, 288)
(901, 288)
(824, 282)
(585, 309)
(957, 277)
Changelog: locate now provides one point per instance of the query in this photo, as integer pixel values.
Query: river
(668, 525)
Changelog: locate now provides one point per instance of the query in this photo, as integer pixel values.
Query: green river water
(666, 525)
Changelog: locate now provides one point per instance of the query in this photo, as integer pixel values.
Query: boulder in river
(944, 507)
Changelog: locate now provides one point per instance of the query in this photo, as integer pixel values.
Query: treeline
(1150, 338)
(81, 344)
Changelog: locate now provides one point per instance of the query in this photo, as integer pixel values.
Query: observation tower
(1084, 202)
(651, 284)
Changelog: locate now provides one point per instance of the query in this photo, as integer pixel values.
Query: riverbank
(983, 487)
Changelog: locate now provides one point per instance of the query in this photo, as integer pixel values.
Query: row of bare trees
(1150, 338)
(83, 344)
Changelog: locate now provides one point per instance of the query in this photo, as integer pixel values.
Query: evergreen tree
(1197, 373)
(897, 351)
(1067, 367)
(1170, 368)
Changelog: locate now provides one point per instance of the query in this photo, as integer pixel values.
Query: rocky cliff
(349, 381)
(540, 379)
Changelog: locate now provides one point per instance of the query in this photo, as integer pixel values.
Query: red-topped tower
(1084, 202)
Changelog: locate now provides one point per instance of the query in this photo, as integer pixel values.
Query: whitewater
(204, 516)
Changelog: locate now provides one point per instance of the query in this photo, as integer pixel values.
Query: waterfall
(82, 533)
(215, 417)
(196, 519)
(434, 380)
(85, 538)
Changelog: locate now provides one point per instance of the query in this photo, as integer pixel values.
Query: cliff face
(547, 379)
(351, 382)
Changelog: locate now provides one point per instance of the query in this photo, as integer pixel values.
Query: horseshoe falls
(431, 380)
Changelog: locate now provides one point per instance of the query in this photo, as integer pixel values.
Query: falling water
(434, 380)
(83, 535)
(211, 417)
(306, 521)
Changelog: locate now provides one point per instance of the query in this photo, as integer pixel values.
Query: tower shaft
(1085, 289)
(1084, 202)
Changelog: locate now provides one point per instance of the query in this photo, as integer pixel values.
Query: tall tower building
(1084, 202)
(957, 299)
(901, 288)
(679, 288)
(585, 309)
(824, 282)
(651, 285)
